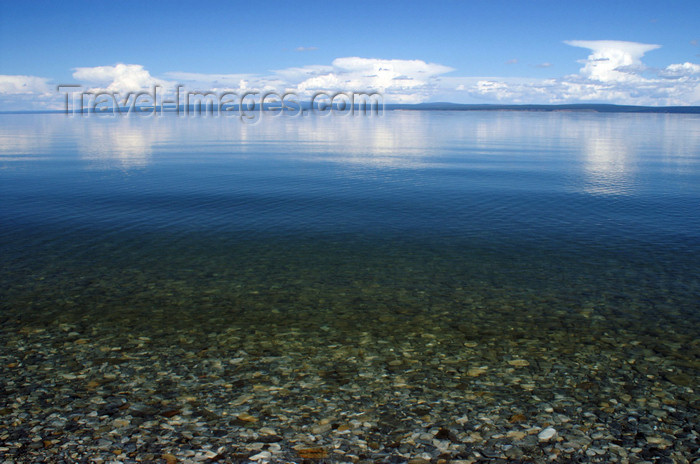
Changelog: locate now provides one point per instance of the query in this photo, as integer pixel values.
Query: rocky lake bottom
(320, 359)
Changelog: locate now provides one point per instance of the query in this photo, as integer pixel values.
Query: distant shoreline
(578, 107)
(443, 106)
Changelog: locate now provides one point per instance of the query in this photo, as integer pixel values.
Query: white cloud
(25, 85)
(494, 89)
(120, 78)
(27, 92)
(611, 58)
(305, 49)
(402, 81)
(680, 70)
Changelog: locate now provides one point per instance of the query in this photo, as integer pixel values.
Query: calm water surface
(585, 210)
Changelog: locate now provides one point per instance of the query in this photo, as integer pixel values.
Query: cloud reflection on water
(597, 154)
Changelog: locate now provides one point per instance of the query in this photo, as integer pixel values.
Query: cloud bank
(613, 72)
(24, 85)
(26, 92)
(402, 81)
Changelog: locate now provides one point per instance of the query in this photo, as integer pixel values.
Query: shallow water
(352, 255)
(590, 210)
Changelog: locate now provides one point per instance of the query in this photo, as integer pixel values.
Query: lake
(414, 285)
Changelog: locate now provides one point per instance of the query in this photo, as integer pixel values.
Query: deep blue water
(578, 208)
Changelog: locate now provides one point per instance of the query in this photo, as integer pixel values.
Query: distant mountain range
(592, 107)
(443, 106)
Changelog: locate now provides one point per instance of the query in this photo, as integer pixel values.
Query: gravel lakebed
(402, 386)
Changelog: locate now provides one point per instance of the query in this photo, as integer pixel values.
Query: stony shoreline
(405, 388)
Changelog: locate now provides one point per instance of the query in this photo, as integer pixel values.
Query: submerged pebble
(547, 434)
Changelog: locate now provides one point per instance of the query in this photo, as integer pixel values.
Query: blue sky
(462, 51)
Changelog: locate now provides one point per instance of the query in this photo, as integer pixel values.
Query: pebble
(516, 435)
(476, 371)
(519, 362)
(245, 417)
(659, 442)
(261, 455)
(547, 434)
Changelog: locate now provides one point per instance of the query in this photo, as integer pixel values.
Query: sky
(510, 52)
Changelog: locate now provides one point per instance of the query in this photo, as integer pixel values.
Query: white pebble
(547, 434)
(262, 455)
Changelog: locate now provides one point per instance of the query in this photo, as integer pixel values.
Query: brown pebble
(245, 417)
(517, 418)
(170, 413)
(169, 458)
(312, 453)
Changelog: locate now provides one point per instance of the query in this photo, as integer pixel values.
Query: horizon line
(424, 106)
